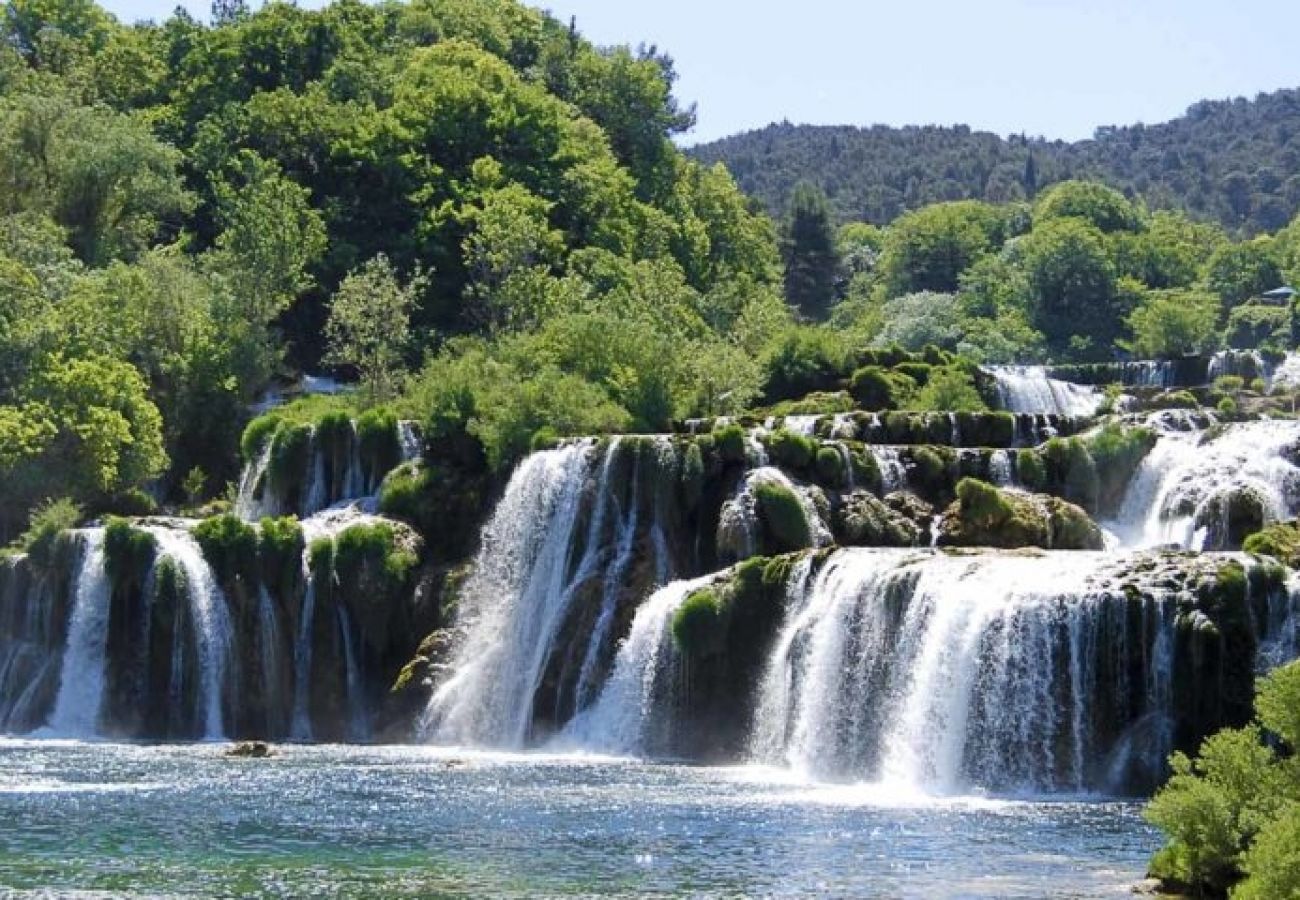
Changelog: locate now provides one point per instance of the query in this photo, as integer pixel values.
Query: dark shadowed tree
(811, 260)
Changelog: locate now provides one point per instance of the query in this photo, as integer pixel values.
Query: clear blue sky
(1058, 68)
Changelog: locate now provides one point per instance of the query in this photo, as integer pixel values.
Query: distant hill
(1236, 161)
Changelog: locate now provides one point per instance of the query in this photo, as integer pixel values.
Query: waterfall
(804, 425)
(82, 680)
(1000, 470)
(1028, 389)
(625, 716)
(514, 603)
(940, 673)
(31, 643)
(358, 717)
(300, 726)
(893, 474)
(1186, 488)
(210, 615)
(254, 489)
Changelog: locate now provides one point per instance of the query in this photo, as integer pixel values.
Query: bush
(917, 371)
(1174, 400)
(791, 450)
(1252, 326)
(1071, 472)
(230, 546)
(931, 470)
(1229, 384)
(1227, 407)
(805, 359)
(1231, 812)
(784, 516)
(875, 388)
(1116, 453)
(44, 526)
(981, 503)
(128, 554)
(949, 389)
(133, 503)
(698, 623)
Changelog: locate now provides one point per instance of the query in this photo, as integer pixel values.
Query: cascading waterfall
(210, 615)
(83, 677)
(1191, 485)
(946, 673)
(625, 718)
(893, 474)
(1028, 389)
(514, 603)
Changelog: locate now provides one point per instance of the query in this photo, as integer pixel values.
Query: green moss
(44, 526)
(982, 503)
(876, 388)
(691, 477)
(931, 470)
(830, 467)
(792, 451)
(279, 552)
(1174, 400)
(919, 372)
(230, 546)
(1280, 541)
(1071, 472)
(818, 403)
(730, 443)
(783, 516)
(257, 433)
(379, 442)
(697, 624)
(1116, 452)
(544, 438)
(1030, 470)
(290, 460)
(866, 471)
(363, 544)
(865, 521)
(170, 588)
(128, 554)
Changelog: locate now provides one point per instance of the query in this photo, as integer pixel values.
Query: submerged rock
(251, 750)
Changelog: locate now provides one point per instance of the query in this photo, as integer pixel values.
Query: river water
(131, 820)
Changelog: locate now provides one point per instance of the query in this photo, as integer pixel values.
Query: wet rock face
(864, 520)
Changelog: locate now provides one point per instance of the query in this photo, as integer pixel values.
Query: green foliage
(1220, 161)
(803, 360)
(830, 467)
(697, 624)
(982, 503)
(128, 554)
(1280, 541)
(378, 442)
(1101, 207)
(811, 260)
(369, 325)
(730, 443)
(46, 522)
(1116, 452)
(949, 389)
(280, 544)
(791, 450)
(1229, 814)
(1071, 471)
(1237, 272)
(1071, 281)
(875, 388)
(1030, 469)
(1175, 323)
(783, 515)
(1252, 326)
(230, 546)
(927, 250)
(931, 471)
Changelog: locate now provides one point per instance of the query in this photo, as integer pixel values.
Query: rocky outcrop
(984, 516)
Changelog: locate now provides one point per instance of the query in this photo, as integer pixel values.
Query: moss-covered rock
(697, 623)
(984, 516)
(1280, 541)
(792, 451)
(831, 470)
(866, 521)
(379, 443)
(729, 442)
(876, 388)
(784, 519)
(1116, 451)
(1231, 516)
(230, 546)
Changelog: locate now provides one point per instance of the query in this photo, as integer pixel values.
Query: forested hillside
(1232, 161)
(181, 206)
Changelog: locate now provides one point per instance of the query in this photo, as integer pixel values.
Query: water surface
(371, 822)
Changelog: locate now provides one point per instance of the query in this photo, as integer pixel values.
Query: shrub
(1071, 472)
(917, 371)
(949, 389)
(875, 388)
(1231, 812)
(931, 470)
(784, 516)
(730, 442)
(866, 471)
(982, 503)
(1229, 384)
(698, 623)
(1252, 326)
(805, 359)
(133, 503)
(44, 526)
(230, 546)
(1116, 453)
(1174, 400)
(1227, 407)
(791, 450)
(543, 438)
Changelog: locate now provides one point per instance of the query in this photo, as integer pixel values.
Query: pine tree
(811, 261)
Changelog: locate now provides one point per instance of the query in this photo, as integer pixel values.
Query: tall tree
(369, 325)
(811, 258)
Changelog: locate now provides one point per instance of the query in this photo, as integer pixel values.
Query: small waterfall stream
(82, 680)
(1028, 389)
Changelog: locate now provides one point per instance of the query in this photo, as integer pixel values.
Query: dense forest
(484, 220)
(1231, 161)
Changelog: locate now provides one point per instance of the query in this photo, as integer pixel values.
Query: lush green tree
(1102, 207)
(1072, 284)
(811, 257)
(927, 250)
(916, 320)
(1237, 272)
(1174, 323)
(369, 326)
